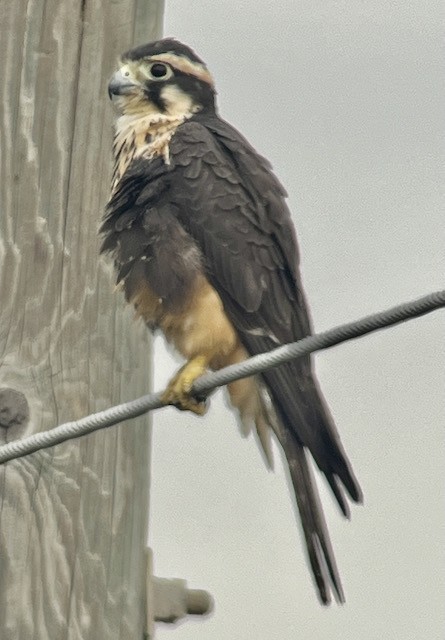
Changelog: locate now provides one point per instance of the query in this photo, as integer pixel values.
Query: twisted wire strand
(210, 381)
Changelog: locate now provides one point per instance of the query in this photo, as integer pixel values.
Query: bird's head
(164, 77)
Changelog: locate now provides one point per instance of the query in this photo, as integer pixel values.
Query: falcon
(205, 250)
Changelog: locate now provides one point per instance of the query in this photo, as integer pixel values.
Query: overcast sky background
(346, 100)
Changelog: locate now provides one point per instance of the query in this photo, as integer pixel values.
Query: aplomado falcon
(205, 250)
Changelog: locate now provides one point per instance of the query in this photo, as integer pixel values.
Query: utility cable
(210, 381)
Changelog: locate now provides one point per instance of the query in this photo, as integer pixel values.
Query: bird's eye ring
(159, 71)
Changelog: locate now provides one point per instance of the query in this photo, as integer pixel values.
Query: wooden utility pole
(73, 519)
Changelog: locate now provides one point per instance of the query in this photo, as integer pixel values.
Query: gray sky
(345, 99)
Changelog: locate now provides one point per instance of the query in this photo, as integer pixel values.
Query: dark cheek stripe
(153, 94)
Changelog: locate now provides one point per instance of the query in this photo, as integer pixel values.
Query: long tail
(304, 423)
(301, 421)
(318, 544)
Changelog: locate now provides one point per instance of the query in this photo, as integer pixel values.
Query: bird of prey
(205, 250)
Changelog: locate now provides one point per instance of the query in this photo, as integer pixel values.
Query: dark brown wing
(233, 206)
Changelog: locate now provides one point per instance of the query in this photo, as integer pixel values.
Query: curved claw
(178, 389)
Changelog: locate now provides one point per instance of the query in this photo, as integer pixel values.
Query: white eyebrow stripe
(184, 64)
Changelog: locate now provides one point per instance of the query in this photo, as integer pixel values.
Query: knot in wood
(14, 408)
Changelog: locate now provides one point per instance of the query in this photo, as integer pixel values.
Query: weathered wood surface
(73, 518)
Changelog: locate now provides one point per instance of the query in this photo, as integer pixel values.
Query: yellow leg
(178, 389)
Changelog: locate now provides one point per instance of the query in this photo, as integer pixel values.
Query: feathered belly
(201, 328)
(194, 324)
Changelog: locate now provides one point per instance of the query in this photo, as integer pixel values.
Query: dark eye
(160, 71)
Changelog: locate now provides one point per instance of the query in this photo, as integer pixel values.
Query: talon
(178, 389)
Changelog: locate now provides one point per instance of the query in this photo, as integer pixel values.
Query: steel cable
(210, 381)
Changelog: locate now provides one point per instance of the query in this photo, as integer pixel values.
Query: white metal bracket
(169, 599)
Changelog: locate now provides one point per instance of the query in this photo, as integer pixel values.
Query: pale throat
(142, 131)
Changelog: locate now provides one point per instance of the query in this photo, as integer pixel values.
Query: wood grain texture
(73, 519)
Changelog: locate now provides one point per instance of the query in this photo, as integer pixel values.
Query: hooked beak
(120, 85)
